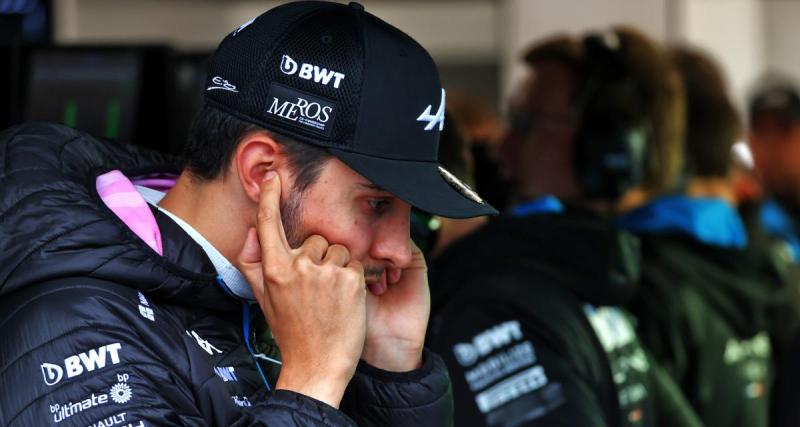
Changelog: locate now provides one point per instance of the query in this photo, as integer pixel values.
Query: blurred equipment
(92, 89)
(123, 93)
(10, 94)
(26, 21)
(742, 155)
(22, 22)
(187, 93)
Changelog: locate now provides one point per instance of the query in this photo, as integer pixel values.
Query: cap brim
(421, 184)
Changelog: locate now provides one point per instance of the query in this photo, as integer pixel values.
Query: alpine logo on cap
(426, 116)
(310, 72)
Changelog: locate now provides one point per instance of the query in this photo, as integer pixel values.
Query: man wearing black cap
(122, 305)
(775, 143)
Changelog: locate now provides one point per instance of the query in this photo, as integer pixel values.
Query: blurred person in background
(774, 138)
(526, 310)
(477, 120)
(482, 130)
(705, 301)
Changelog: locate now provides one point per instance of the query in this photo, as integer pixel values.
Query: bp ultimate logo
(300, 109)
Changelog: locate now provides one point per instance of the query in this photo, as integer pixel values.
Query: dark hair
(712, 122)
(561, 48)
(215, 134)
(658, 97)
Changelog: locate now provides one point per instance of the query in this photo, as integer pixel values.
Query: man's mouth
(376, 281)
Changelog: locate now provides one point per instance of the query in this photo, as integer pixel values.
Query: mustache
(373, 272)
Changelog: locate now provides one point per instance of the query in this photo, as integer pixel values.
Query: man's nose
(393, 243)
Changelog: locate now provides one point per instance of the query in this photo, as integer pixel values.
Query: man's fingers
(251, 250)
(338, 255)
(357, 266)
(271, 235)
(393, 275)
(249, 263)
(315, 247)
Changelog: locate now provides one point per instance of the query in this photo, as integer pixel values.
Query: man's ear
(257, 154)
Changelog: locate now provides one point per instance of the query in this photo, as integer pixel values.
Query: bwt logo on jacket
(300, 108)
(482, 344)
(309, 71)
(80, 363)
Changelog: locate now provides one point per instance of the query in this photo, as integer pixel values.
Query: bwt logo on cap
(309, 71)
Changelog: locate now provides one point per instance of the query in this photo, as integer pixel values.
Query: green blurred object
(424, 230)
(112, 119)
(71, 113)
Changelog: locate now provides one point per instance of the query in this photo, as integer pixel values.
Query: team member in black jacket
(773, 224)
(705, 301)
(121, 305)
(774, 138)
(526, 311)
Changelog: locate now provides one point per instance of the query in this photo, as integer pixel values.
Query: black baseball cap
(780, 98)
(338, 77)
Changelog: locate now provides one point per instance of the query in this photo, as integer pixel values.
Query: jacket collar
(708, 220)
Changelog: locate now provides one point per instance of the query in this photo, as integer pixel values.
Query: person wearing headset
(708, 298)
(527, 310)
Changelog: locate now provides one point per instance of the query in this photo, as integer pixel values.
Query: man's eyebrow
(369, 186)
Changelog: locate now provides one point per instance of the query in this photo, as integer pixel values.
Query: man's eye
(378, 204)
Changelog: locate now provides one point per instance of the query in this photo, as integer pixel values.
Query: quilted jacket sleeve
(422, 397)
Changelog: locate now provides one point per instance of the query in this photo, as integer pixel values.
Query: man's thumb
(251, 250)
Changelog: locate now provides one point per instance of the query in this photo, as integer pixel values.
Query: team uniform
(706, 306)
(98, 328)
(526, 313)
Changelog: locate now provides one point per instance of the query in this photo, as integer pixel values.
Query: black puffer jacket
(705, 312)
(526, 313)
(98, 329)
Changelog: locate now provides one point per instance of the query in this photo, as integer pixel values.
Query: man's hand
(398, 318)
(314, 299)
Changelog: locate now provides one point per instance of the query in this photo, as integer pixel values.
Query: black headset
(611, 138)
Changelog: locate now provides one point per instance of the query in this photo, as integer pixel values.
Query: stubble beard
(292, 218)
